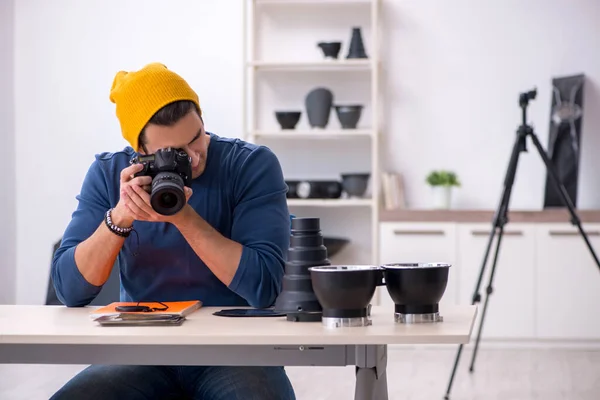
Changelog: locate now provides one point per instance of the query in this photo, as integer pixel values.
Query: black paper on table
(243, 312)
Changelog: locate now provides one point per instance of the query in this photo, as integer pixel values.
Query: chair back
(110, 291)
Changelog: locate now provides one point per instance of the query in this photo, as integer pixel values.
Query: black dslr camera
(170, 170)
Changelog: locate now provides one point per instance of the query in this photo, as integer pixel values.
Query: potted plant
(442, 183)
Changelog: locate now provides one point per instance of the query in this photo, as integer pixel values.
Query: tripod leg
(456, 360)
(489, 291)
(564, 195)
(500, 219)
(475, 299)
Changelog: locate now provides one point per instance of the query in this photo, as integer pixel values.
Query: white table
(60, 335)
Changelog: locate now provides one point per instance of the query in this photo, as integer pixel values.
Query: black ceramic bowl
(355, 184)
(334, 245)
(345, 291)
(330, 49)
(416, 288)
(288, 119)
(349, 115)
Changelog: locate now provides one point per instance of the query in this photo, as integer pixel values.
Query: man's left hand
(144, 210)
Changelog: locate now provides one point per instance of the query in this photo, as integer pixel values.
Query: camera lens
(167, 196)
(168, 200)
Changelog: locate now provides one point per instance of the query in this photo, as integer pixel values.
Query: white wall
(453, 71)
(8, 240)
(66, 54)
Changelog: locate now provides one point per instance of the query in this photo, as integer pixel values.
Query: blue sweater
(242, 194)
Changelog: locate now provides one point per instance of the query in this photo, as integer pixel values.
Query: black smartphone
(252, 312)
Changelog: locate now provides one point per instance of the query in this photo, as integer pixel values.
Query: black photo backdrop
(564, 141)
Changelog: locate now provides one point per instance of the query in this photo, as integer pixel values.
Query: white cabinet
(420, 242)
(511, 306)
(546, 284)
(568, 283)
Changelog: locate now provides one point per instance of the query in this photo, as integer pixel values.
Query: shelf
(313, 133)
(281, 74)
(314, 2)
(330, 202)
(340, 64)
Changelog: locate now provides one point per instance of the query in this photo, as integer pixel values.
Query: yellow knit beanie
(138, 95)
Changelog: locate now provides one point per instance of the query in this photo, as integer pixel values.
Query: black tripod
(501, 217)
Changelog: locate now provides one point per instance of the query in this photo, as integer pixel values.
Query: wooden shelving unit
(258, 67)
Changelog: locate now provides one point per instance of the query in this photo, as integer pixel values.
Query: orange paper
(182, 308)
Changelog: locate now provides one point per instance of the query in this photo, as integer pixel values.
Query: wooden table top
(26, 324)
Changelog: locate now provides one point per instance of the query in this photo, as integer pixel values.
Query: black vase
(318, 107)
(357, 47)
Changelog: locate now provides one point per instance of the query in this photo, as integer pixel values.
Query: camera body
(170, 170)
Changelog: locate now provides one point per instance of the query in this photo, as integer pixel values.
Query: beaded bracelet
(123, 232)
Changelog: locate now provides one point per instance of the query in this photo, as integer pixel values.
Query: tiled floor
(419, 374)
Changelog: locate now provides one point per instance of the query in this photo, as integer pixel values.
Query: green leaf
(442, 178)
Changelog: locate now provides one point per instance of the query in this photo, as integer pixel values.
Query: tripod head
(526, 96)
(524, 99)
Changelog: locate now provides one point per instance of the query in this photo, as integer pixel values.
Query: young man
(226, 246)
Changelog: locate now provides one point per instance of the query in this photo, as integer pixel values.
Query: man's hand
(220, 254)
(134, 203)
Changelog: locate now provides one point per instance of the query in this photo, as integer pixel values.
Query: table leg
(381, 387)
(371, 377)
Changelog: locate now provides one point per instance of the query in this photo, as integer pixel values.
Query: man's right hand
(123, 214)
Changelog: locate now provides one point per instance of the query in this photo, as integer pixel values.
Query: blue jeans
(130, 382)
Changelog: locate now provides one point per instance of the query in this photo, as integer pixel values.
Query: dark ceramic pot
(345, 291)
(355, 185)
(416, 288)
(334, 245)
(349, 115)
(288, 119)
(330, 49)
(318, 107)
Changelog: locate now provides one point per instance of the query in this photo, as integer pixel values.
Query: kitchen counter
(474, 216)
